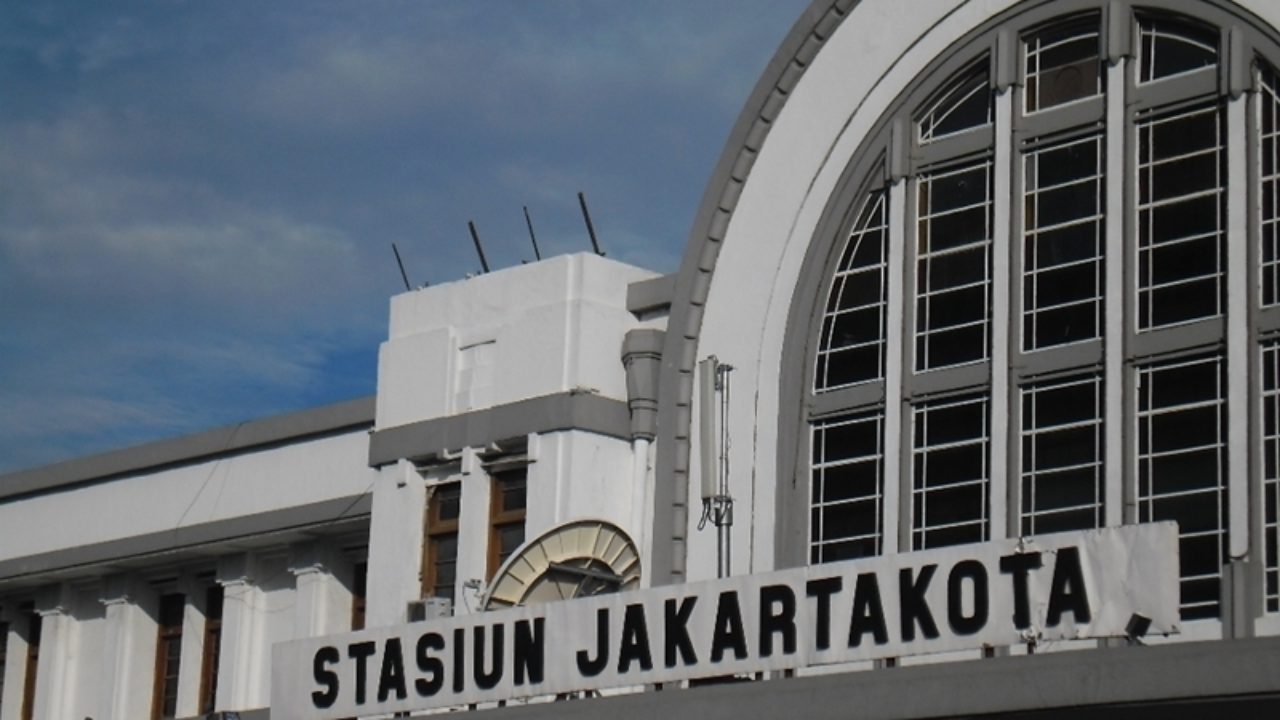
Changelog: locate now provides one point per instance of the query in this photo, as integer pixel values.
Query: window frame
(437, 530)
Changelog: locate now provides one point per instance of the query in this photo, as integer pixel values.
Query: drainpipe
(642, 358)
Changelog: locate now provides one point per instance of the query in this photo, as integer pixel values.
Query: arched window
(1039, 315)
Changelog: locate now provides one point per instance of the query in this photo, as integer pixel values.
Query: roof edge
(348, 414)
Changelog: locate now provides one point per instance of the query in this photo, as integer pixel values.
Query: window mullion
(999, 322)
(1237, 320)
(895, 336)
(1115, 311)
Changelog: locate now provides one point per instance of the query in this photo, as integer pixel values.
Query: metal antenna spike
(532, 238)
(475, 237)
(591, 230)
(403, 275)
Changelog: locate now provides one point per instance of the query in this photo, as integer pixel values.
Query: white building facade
(982, 271)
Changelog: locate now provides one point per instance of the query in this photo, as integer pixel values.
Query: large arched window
(1052, 301)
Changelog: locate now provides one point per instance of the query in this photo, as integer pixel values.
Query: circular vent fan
(578, 559)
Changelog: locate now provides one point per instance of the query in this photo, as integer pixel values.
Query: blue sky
(198, 199)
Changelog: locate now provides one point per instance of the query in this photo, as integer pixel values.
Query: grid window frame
(1269, 432)
(507, 512)
(927, 446)
(1033, 511)
(826, 507)
(1153, 429)
(211, 649)
(440, 556)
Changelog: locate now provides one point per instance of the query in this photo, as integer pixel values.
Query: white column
(15, 669)
(192, 649)
(1117, 305)
(395, 543)
(897, 486)
(242, 659)
(1237, 312)
(1001, 239)
(473, 535)
(323, 602)
(56, 671)
(129, 650)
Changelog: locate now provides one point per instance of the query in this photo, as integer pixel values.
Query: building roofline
(327, 419)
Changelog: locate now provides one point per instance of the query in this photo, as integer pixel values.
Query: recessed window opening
(847, 506)
(1171, 47)
(1062, 441)
(1271, 474)
(951, 472)
(1181, 216)
(1269, 167)
(1182, 468)
(963, 105)
(1062, 64)
(168, 656)
(444, 508)
(1063, 242)
(853, 326)
(953, 266)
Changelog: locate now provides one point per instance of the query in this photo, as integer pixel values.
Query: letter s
(325, 656)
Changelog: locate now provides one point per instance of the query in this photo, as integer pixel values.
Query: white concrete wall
(207, 491)
(546, 327)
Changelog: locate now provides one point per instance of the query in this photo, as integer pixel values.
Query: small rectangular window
(1063, 243)
(953, 266)
(168, 656)
(1182, 468)
(441, 557)
(1271, 474)
(950, 474)
(847, 485)
(1062, 63)
(1182, 185)
(212, 651)
(1062, 473)
(506, 516)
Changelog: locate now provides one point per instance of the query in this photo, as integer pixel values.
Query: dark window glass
(851, 348)
(1169, 47)
(1062, 63)
(846, 488)
(950, 472)
(965, 104)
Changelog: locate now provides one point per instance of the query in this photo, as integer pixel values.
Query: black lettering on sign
(913, 606)
(822, 589)
(587, 665)
(976, 573)
(325, 657)
(675, 626)
(433, 667)
(530, 651)
(634, 645)
(1020, 567)
(783, 621)
(361, 652)
(488, 680)
(868, 611)
(1068, 593)
(728, 633)
(459, 659)
(392, 676)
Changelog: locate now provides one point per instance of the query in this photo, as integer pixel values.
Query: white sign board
(1053, 587)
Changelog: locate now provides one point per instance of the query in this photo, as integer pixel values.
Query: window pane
(1062, 243)
(953, 266)
(1269, 102)
(852, 344)
(964, 104)
(846, 487)
(950, 469)
(1062, 63)
(1181, 208)
(1182, 467)
(1168, 48)
(1271, 473)
(1062, 474)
